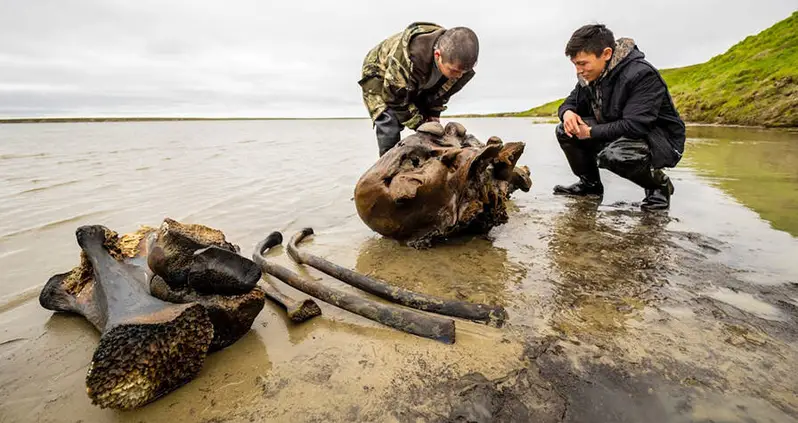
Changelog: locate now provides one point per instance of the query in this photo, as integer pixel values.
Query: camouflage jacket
(394, 72)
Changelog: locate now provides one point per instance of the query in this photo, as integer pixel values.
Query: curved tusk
(491, 315)
(409, 321)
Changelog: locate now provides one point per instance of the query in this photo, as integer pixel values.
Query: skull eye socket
(415, 161)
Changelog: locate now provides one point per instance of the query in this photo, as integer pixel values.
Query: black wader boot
(581, 155)
(630, 159)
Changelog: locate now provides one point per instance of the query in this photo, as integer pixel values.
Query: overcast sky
(295, 58)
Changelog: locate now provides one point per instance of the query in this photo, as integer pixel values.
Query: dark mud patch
(597, 392)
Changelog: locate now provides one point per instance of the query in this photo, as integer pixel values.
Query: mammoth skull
(440, 182)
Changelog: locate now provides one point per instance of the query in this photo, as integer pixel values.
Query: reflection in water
(466, 268)
(607, 264)
(758, 168)
(747, 302)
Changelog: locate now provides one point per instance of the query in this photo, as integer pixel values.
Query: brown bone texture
(440, 182)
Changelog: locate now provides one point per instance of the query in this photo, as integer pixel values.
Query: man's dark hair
(459, 45)
(590, 39)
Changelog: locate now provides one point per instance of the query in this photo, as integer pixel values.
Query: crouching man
(620, 117)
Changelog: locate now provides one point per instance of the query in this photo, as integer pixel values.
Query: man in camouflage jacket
(409, 77)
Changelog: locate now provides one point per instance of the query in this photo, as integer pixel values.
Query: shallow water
(699, 306)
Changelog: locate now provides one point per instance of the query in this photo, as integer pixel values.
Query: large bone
(196, 263)
(221, 281)
(440, 182)
(148, 347)
(409, 321)
(493, 315)
(232, 316)
(218, 270)
(173, 258)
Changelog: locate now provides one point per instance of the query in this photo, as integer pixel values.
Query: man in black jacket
(619, 117)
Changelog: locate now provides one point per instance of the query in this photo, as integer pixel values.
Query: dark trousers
(627, 158)
(388, 129)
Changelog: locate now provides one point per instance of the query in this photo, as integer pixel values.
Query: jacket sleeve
(640, 112)
(397, 87)
(570, 103)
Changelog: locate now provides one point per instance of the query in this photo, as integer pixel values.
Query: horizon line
(52, 119)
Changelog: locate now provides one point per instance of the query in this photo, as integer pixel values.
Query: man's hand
(583, 131)
(571, 122)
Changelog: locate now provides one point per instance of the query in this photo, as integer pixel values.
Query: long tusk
(492, 315)
(409, 321)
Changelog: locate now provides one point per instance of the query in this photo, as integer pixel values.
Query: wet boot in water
(581, 188)
(582, 160)
(655, 182)
(658, 198)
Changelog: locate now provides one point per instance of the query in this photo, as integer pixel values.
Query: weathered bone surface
(440, 182)
(231, 315)
(196, 263)
(492, 315)
(172, 255)
(148, 347)
(155, 335)
(406, 320)
(297, 311)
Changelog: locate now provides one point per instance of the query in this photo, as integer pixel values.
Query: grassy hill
(754, 83)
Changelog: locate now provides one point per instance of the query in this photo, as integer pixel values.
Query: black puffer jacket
(633, 102)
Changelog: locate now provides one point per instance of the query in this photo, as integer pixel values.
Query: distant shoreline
(177, 119)
(538, 119)
(152, 119)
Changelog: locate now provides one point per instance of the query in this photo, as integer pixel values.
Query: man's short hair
(459, 45)
(590, 39)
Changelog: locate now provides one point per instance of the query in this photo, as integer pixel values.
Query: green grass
(546, 110)
(754, 83)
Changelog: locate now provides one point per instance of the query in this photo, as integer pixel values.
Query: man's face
(589, 66)
(449, 70)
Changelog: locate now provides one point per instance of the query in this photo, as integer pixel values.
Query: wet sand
(615, 315)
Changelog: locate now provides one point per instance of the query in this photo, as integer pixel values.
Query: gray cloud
(254, 58)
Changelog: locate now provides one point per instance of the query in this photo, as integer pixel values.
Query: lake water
(641, 289)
